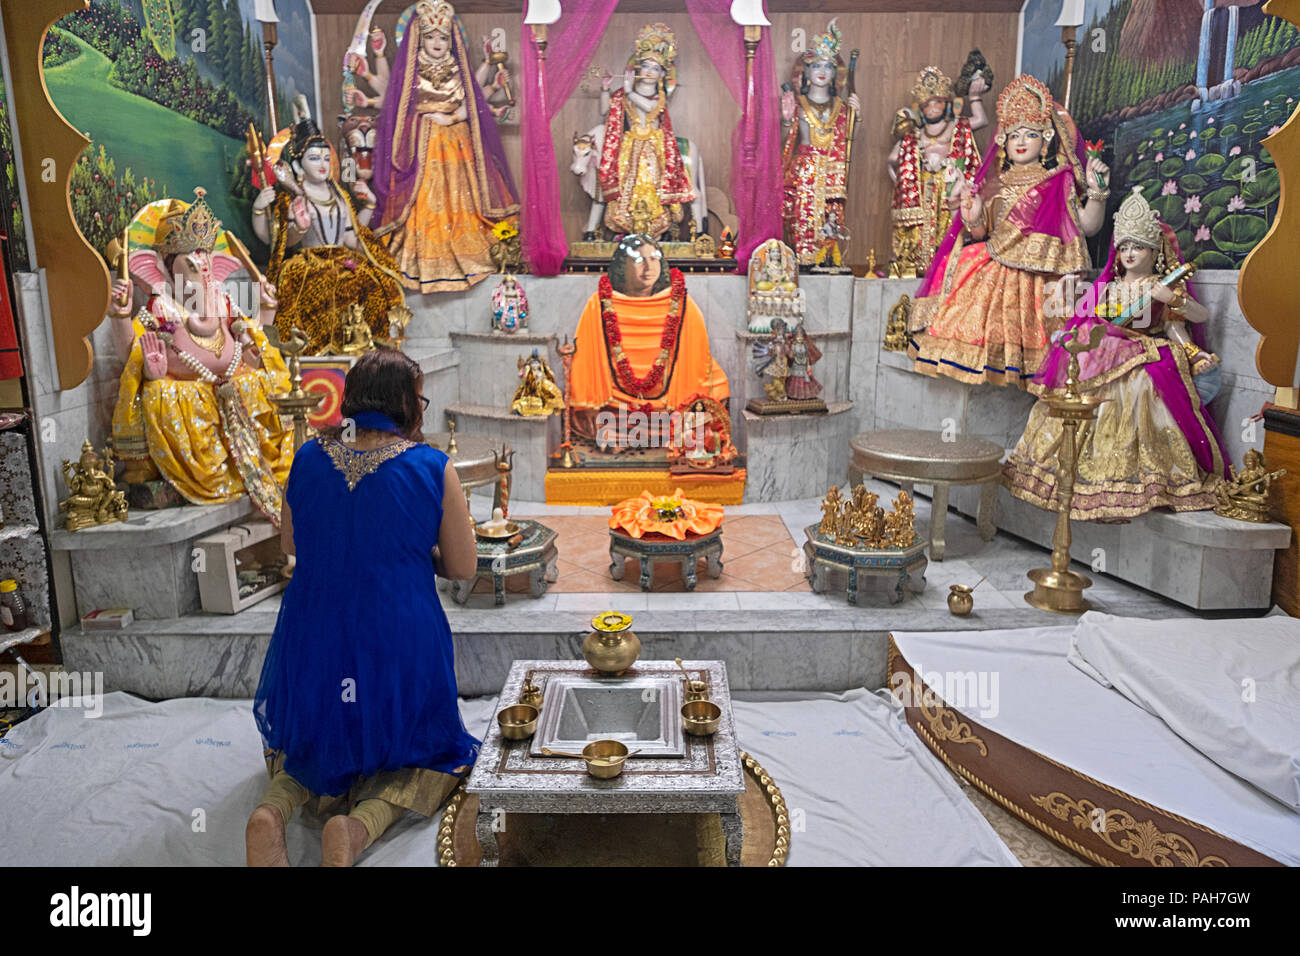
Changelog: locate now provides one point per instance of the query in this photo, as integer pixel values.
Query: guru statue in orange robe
(641, 344)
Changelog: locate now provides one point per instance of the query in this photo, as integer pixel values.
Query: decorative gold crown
(826, 46)
(657, 43)
(197, 227)
(932, 83)
(1025, 103)
(435, 16)
(1137, 222)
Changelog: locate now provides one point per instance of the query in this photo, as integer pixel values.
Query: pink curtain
(755, 145)
(546, 87)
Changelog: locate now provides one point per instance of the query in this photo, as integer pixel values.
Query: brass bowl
(605, 758)
(518, 722)
(960, 599)
(697, 690)
(509, 531)
(700, 718)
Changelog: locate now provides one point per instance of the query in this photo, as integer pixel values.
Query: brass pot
(531, 695)
(700, 718)
(960, 599)
(518, 722)
(697, 690)
(611, 648)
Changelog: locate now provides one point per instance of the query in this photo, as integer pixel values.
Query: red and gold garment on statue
(640, 162)
(920, 206)
(814, 175)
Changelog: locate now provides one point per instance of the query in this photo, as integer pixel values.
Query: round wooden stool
(915, 457)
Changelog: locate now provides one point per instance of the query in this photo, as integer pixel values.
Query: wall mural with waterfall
(165, 89)
(1182, 92)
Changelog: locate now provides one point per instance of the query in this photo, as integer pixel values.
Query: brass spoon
(599, 761)
(683, 667)
(546, 751)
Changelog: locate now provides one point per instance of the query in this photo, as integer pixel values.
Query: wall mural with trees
(1183, 92)
(166, 89)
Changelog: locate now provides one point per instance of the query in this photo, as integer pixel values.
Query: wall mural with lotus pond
(1182, 97)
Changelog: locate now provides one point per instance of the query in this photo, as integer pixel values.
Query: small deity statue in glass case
(537, 393)
(701, 439)
(509, 306)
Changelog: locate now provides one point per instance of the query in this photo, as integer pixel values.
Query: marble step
(1196, 558)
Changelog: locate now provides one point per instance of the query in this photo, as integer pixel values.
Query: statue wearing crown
(815, 158)
(641, 175)
(323, 255)
(194, 399)
(1154, 443)
(937, 149)
(1019, 226)
(440, 178)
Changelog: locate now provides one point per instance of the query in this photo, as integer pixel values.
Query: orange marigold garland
(672, 515)
(628, 381)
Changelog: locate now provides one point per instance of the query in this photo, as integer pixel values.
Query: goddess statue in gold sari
(440, 175)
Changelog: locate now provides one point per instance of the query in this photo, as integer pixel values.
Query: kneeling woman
(357, 704)
(1154, 443)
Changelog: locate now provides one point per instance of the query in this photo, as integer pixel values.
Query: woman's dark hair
(385, 380)
(1048, 157)
(618, 263)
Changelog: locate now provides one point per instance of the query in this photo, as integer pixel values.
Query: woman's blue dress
(359, 677)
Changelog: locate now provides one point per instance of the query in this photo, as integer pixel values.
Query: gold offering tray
(509, 531)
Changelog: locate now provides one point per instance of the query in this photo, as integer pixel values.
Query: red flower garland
(628, 382)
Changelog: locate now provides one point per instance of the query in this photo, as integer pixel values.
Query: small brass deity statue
(859, 522)
(537, 393)
(896, 330)
(354, 336)
(93, 498)
(1245, 497)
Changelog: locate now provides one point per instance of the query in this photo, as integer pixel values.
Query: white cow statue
(586, 162)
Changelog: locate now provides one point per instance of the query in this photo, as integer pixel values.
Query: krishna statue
(641, 175)
(440, 180)
(816, 153)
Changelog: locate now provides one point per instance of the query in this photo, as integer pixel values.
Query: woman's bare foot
(264, 838)
(342, 841)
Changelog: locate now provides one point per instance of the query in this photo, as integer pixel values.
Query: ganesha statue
(194, 401)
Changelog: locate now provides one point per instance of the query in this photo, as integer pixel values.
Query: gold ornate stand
(296, 402)
(1058, 588)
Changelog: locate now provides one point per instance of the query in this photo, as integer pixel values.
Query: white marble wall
(528, 436)
(489, 364)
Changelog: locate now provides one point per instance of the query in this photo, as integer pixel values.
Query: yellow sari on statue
(441, 179)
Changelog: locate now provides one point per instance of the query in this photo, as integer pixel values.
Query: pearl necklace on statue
(201, 370)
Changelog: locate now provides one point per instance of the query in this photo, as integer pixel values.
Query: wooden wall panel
(895, 47)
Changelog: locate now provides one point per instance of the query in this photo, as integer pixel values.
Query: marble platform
(1196, 558)
(770, 640)
(797, 456)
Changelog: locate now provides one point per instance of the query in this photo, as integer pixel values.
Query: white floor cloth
(172, 784)
(1050, 706)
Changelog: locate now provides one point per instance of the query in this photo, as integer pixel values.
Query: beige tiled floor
(758, 554)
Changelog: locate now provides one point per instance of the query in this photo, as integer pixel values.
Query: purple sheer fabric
(1117, 348)
(397, 139)
(755, 143)
(547, 85)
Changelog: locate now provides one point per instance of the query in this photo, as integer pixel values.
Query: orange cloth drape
(641, 322)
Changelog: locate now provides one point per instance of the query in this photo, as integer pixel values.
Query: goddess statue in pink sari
(1153, 443)
(981, 305)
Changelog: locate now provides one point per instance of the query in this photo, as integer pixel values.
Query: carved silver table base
(536, 556)
(649, 550)
(905, 566)
(509, 780)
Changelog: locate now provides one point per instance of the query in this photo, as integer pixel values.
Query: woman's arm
(456, 556)
(286, 529)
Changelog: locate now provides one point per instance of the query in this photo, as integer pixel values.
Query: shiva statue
(323, 255)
